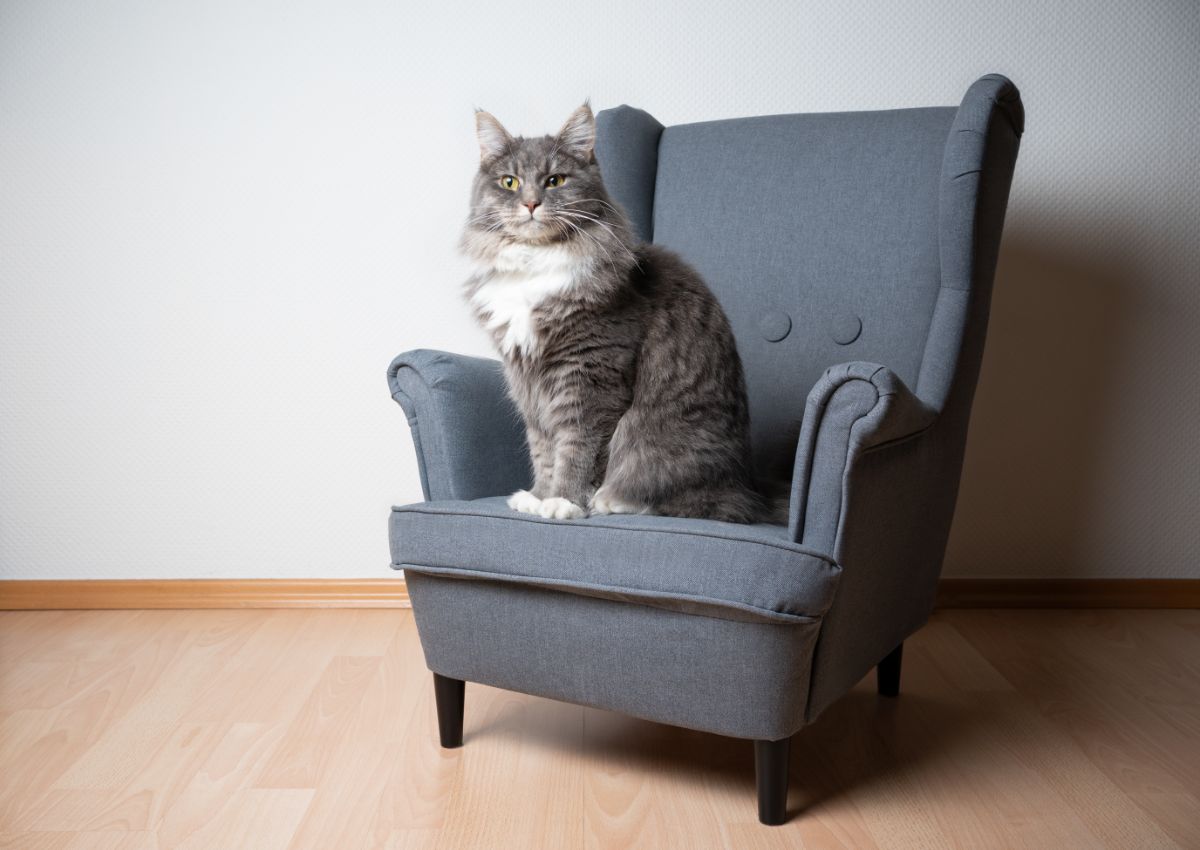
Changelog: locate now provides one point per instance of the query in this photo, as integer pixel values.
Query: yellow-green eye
(555, 180)
(510, 183)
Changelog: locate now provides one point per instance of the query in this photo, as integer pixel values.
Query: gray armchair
(854, 254)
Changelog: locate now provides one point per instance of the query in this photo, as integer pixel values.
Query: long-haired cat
(617, 354)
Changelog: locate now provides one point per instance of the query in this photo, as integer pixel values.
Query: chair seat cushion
(739, 572)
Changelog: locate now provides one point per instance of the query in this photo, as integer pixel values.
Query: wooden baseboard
(392, 593)
(1068, 593)
(205, 593)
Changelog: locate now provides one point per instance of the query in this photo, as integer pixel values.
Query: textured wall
(219, 221)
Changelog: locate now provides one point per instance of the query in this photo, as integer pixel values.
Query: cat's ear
(493, 138)
(578, 136)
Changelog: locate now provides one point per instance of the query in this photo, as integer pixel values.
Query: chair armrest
(854, 408)
(468, 435)
(876, 479)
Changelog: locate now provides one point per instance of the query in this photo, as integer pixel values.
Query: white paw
(557, 507)
(525, 502)
(604, 503)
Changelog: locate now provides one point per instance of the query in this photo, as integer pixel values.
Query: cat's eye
(556, 180)
(510, 183)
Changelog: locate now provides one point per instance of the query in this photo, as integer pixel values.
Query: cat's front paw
(525, 502)
(556, 507)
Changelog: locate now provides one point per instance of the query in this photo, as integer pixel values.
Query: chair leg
(887, 674)
(449, 693)
(771, 769)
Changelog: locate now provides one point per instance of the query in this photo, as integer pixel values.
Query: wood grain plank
(36, 840)
(415, 795)
(229, 768)
(52, 741)
(163, 730)
(274, 671)
(140, 802)
(114, 841)
(258, 818)
(648, 782)
(1085, 754)
(302, 754)
(525, 750)
(210, 642)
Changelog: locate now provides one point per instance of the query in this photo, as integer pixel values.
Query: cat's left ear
(578, 136)
(494, 140)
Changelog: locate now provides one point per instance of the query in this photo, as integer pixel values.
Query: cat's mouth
(535, 231)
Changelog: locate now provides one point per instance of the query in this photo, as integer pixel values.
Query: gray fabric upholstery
(468, 434)
(977, 168)
(888, 514)
(829, 220)
(627, 150)
(854, 254)
(853, 407)
(700, 672)
(718, 569)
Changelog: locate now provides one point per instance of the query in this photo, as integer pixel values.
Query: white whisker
(576, 214)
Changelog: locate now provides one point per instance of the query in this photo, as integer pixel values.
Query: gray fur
(633, 395)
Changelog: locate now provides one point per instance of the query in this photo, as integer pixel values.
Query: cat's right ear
(494, 140)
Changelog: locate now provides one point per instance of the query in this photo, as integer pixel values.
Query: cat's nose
(532, 205)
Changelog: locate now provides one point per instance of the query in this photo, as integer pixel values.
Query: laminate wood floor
(255, 730)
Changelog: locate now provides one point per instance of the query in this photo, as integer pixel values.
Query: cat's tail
(740, 503)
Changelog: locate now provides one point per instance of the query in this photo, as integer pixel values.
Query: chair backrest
(827, 237)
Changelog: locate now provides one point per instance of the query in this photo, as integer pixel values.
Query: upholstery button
(846, 329)
(775, 325)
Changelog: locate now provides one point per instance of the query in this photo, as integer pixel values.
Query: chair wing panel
(977, 170)
(818, 234)
(627, 150)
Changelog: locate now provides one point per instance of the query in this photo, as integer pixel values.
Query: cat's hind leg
(607, 501)
(623, 476)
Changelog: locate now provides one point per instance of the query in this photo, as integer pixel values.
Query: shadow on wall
(1046, 395)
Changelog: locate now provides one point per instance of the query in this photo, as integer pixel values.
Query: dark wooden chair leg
(771, 769)
(449, 695)
(887, 674)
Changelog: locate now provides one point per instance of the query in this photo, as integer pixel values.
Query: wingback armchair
(854, 254)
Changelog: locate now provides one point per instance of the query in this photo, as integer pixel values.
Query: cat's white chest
(520, 279)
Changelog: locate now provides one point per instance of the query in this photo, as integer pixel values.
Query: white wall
(219, 221)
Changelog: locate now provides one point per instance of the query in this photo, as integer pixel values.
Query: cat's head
(538, 190)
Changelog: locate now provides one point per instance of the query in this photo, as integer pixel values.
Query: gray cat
(618, 356)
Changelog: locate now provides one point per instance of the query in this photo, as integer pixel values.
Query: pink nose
(532, 205)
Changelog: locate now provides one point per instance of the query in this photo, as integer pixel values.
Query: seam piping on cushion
(812, 447)
(514, 578)
(419, 508)
(942, 282)
(897, 440)
(654, 185)
(849, 445)
(837, 529)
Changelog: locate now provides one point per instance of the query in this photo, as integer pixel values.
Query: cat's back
(680, 302)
